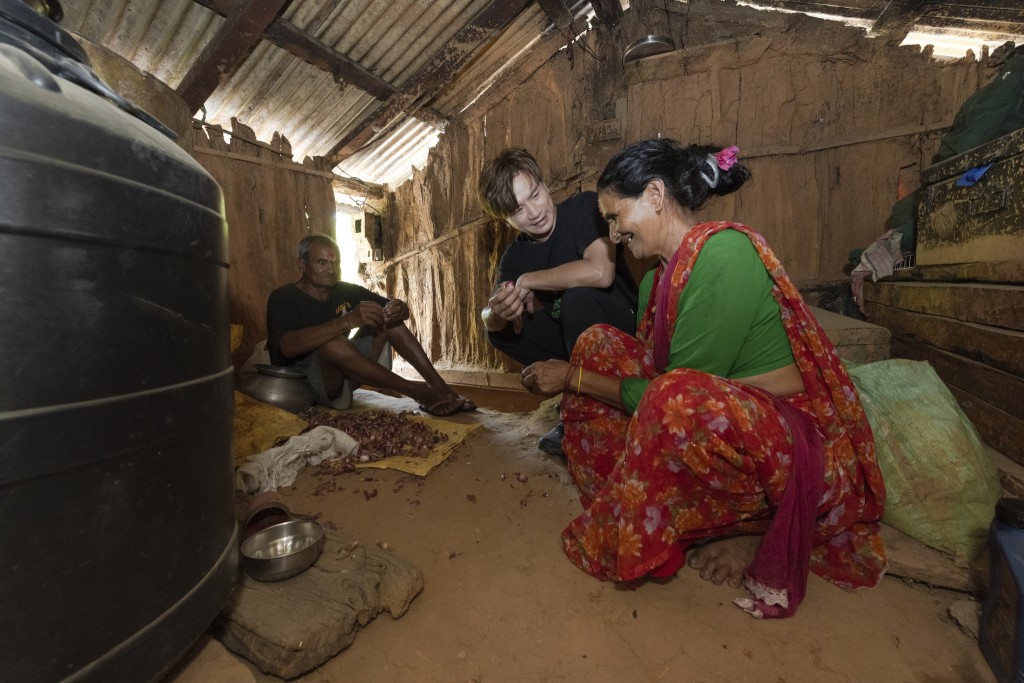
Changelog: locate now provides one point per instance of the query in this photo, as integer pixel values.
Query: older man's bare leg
(342, 360)
(409, 348)
(724, 560)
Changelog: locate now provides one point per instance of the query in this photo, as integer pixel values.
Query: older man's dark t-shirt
(289, 308)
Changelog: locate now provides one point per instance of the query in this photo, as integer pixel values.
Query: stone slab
(289, 627)
(855, 340)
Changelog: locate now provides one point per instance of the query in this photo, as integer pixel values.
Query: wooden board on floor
(911, 559)
(289, 627)
(999, 272)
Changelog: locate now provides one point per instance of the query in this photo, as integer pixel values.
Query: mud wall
(834, 125)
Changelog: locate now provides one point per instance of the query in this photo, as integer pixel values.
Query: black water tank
(118, 542)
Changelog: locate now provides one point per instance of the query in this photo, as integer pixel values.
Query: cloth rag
(279, 466)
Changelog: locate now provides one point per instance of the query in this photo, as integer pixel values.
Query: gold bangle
(579, 382)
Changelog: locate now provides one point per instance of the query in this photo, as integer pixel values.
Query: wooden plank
(356, 188)
(1004, 272)
(1002, 349)
(232, 43)
(289, 37)
(1001, 389)
(896, 20)
(911, 559)
(998, 305)
(998, 429)
(608, 12)
(559, 15)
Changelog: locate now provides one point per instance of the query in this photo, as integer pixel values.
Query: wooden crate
(983, 222)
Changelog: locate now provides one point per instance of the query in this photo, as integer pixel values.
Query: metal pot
(279, 386)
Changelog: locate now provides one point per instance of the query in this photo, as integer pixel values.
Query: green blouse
(729, 323)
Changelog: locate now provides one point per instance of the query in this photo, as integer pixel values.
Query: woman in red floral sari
(727, 429)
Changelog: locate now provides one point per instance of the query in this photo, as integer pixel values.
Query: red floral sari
(706, 457)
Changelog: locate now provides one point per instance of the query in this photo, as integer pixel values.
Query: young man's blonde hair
(495, 185)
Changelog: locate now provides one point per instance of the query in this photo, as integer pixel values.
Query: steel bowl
(283, 550)
(284, 387)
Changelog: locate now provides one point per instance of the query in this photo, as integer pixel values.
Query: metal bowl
(648, 46)
(284, 387)
(283, 550)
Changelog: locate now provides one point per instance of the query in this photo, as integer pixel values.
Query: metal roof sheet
(273, 90)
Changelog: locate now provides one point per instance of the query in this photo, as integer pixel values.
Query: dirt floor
(502, 603)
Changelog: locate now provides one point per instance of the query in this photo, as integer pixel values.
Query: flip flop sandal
(444, 407)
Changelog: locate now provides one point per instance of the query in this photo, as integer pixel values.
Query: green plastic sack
(940, 481)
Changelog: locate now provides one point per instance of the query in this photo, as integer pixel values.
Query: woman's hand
(546, 377)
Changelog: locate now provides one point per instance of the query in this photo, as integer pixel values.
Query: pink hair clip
(726, 158)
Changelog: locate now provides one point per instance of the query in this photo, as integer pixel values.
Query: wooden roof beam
(560, 16)
(294, 40)
(429, 80)
(232, 43)
(608, 12)
(896, 20)
(291, 38)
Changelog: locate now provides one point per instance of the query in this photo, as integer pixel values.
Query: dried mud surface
(502, 603)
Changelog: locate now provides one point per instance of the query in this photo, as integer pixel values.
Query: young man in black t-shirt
(560, 276)
(309, 324)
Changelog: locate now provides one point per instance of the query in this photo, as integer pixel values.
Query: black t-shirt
(289, 308)
(577, 225)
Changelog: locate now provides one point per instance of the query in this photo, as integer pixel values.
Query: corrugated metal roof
(275, 91)
(393, 159)
(527, 29)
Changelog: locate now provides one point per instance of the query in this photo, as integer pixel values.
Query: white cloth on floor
(278, 466)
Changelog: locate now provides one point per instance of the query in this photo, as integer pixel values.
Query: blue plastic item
(1002, 616)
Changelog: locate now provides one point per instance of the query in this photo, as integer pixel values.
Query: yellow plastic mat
(259, 425)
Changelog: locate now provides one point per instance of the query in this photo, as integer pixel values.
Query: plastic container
(1002, 616)
(119, 542)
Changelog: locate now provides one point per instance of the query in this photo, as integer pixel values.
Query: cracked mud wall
(834, 126)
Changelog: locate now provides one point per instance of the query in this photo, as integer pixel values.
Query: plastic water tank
(118, 543)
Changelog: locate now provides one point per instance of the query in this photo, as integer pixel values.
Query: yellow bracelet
(579, 382)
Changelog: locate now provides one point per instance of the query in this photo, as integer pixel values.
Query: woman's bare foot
(725, 560)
